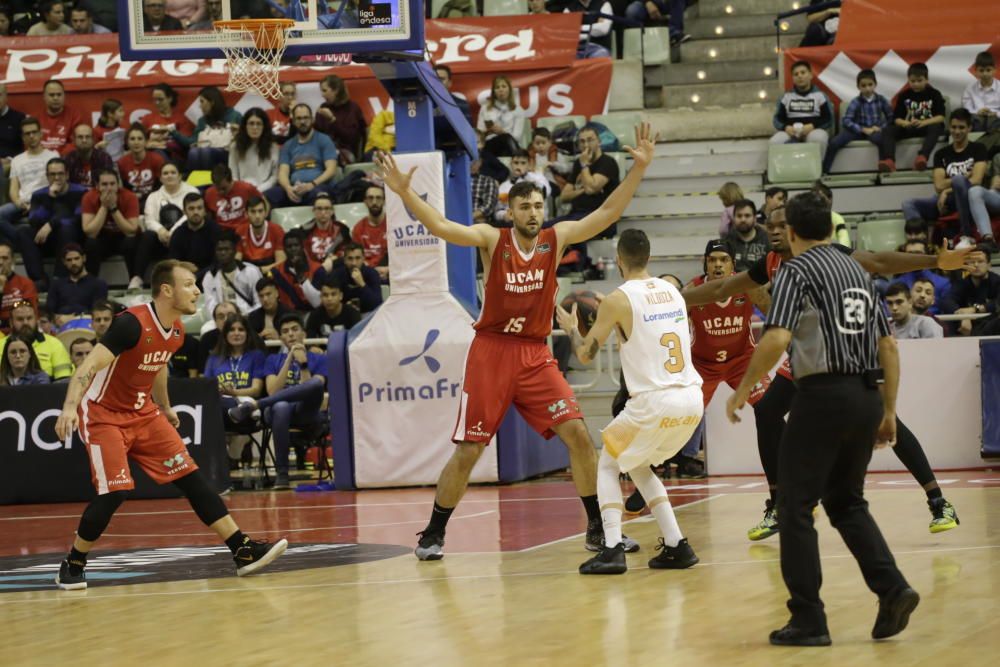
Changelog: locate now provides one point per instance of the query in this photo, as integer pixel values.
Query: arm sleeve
(967, 100)
(785, 300)
(886, 112)
(780, 119)
(825, 114)
(123, 334)
(758, 271)
(849, 121)
(371, 293)
(930, 329)
(151, 219)
(937, 105)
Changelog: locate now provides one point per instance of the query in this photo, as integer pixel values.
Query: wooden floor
(508, 591)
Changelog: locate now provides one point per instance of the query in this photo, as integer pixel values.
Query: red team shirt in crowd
(372, 238)
(128, 204)
(144, 176)
(57, 131)
(323, 242)
(281, 122)
(176, 121)
(231, 209)
(260, 250)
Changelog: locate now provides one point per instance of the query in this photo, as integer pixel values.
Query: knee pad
(205, 502)
(98, 514)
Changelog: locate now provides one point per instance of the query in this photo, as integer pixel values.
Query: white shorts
(654, 426)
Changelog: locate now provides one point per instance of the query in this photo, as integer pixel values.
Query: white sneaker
(965, 242)
(135, 283)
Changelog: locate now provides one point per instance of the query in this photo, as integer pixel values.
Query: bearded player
(770, 411)
(509, 360)
(118, 400)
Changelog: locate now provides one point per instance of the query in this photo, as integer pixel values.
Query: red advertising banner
(894, 22)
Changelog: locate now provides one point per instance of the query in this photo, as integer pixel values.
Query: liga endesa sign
(537, 52)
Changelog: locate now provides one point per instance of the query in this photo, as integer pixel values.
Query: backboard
(322, 26)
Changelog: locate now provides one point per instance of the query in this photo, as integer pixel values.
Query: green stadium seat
(291, 216)
(436, 6)
(653, 47)
(505, 7)
(359, 166)
(622, 123)
(349, 214)
(794, 165)
(879, 235)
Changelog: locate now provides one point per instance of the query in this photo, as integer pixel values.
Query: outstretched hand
(387, 169)
(952, 260)
(567, 319)
(645, 145)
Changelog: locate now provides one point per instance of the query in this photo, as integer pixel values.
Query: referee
(846, 366)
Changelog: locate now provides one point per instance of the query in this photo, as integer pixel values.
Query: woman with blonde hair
(729, 193)
(501, 118)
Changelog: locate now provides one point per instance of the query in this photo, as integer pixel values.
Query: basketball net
(253, 50)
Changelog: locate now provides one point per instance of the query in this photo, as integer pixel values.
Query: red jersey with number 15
(721, 330)
(127, 384)
(520, 294)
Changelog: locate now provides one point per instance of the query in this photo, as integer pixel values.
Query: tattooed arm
(98, 359)
(613, 311)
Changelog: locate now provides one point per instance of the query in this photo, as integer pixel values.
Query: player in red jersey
(509, 361)
(118, 401)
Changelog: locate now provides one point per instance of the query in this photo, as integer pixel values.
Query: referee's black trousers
(824, 454)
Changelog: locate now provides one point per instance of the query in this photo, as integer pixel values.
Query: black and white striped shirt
(829, 304)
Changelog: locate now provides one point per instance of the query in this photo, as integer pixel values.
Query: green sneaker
(945, 517)
(768, 526)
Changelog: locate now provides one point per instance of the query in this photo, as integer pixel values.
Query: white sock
(656, 498)
(609, 496)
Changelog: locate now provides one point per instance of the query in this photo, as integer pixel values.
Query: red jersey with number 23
(126, 385)
(521, 288)
(721, 330)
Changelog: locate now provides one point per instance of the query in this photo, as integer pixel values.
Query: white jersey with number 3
(658, 353)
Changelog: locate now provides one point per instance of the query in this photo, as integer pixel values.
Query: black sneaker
(595, 538)
(281, 481)
(241, 411)
(894, 612)
(635, 503)
(791, 636)
(680, 39)
(691, 468)
(430, 546)
(71, 576)
(256, 554)
(609, 560)
(673, 558)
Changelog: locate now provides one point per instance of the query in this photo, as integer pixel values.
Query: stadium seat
(436, 6)
(622, 124)
(879, 235)
(505, 7)
(349, 214)
(793, 166)
(359, 166)
(653, 49)
(552, 122)
(291, 216)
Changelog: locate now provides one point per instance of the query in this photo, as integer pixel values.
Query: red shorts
(501, 370)
(111, 438)
(731, 373)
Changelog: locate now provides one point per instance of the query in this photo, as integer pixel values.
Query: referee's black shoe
(609, 560)
(792, 636)
(894, 612)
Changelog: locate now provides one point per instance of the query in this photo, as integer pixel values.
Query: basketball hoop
(253, 49)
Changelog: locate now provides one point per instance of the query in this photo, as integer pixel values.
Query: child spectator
(729, 193)
(804, 113)
(868, 115)
(543, 156)
(982, 97)
(919, 113)
(109, 135)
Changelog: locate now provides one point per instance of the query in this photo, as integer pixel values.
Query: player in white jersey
(664, 406)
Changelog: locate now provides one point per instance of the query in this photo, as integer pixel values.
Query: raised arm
(578, 231)
(712, 291)
(478, 236)
(891, 262)
(614, 308)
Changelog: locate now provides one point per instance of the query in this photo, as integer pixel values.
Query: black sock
(439, 519)
(76, 556)
(935, 493)
(773, 492)
(235, 541)
(593, 509)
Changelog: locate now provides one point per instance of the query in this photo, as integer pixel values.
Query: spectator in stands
(265, 319)
(109, 133)
(332, 314)
(544, 157)
(164, 120)
(165, 206)
(19, 365)
(381, 134)
(593, 178)
(209, 144)
(916, 231)
(85, 161)
(193, 238)
(10, 131)
(646, 11)
(155, 18)
(139, 167)
(485, 192)
(306, 165)
(445, 76)
(841, 234)
(53, 21)
(982, 96)
(370, 232)
(293, 276)
(74, 295)
(360, 284)
(79, 349)
(804, 113)
(227, 199)
(747, 241)
(501, 118)
(537, 7)
(210, 338)
(229, 279)
(774, 197)
(978, 292)
(984, 203)
(595, 31)
(54, 220)
(53, 358)
(957, 168)
(237, 362)
(185, 362)
(14, 288)
(262, 242)
(919, 113)
(27, 174)
(905, 324)
(213, 13)
(280, 116)
(5, 26)
(340, 118)
(255, 153)
(923, 297)
(325, 235)
(867, 118)
(82, 22)
(111, 225)
(187, 12)
(105, 12)
(729, 194)
(822, 28)
(295, 379)
(101, 315)
(59, 119)
(520, 170)
(941, 283)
